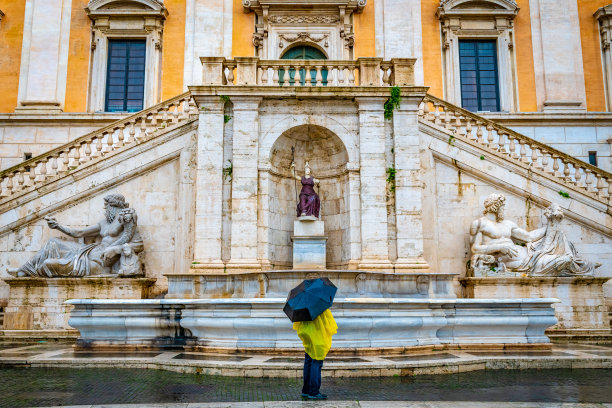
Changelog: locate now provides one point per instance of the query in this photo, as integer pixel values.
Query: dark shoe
(319, 396)
(305, 396)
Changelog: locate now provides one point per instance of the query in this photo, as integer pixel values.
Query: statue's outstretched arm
(520, 234)
(92, 230)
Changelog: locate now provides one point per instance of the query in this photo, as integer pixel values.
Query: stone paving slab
(241, 365)
(352, 404)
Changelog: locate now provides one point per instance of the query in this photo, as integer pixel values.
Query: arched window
(307, 53)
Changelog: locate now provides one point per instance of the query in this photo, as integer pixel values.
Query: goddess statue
(309, 203)
(61, 258)
(545, 251)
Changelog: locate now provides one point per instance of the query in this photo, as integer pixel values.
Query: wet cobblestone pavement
(23, 387)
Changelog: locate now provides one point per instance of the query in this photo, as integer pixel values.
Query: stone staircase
(535, 159)
(88, 150)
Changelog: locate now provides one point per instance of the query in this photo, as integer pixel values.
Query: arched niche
(328, 158)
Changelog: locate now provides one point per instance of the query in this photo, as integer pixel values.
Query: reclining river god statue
(545, 251)
(113, 235)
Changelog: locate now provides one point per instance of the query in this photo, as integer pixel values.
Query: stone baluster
(86, 150)
(351, 77)
(152, 128)
(437, 120)
(230, 74)
(600, 186)
(578, 176)
(66, 161)
(77, 156)
(132, 132)
(4, 192)
(43, 169)
(341, 75)
(426, 111)
(589, 180)
(544, 161)
(120, 136)
(555, 166)
(275, 75)
(297, 78)
(143, 129)
(609, 181)
(308, 76)
(109, 141)
(534, 157)
(186, 108)
(468, 129)
(566, 171)
(9, 184)
(319, 76)
(490, 136)
(54, 166)
(458, 125)
(98, 151)
(512, 147)
(175, 113)
(523, 152)
(286, 76)
(501, 142)
(479, 134)
(164, 119)
(264, 75)
(421, 111)
(447, 119)
(20, 180)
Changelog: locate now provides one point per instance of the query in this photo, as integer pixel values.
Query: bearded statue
(499, 246)
(62, 258)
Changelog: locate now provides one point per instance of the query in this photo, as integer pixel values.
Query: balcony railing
(360, 72)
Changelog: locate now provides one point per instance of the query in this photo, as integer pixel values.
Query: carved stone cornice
(257, 6)
(304, 19)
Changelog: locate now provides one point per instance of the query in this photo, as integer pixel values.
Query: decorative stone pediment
(106, 8)
(324, 24)
(477, 8)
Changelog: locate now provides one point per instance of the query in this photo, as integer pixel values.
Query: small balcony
(252, 71)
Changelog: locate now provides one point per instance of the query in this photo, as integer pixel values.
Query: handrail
(83, 150)
(459, 122)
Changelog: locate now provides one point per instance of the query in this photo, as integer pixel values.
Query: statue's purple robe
(309, 200)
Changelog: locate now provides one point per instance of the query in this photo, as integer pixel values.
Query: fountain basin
(259, 324)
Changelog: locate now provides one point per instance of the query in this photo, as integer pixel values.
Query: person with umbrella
(308, 308)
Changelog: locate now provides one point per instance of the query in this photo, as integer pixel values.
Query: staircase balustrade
(84, 150)
(563, 168)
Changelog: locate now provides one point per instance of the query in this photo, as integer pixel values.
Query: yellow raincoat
(317, 334)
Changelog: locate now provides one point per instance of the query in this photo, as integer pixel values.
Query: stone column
(374, 231)
(44, 56)
(604, 16)
(354, 217)
(209, 185)
(408, 189)
(184, 236)
(243, 253)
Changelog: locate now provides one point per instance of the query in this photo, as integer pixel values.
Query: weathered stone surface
(39, 303)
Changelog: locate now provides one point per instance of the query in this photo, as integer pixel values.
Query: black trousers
(312, 375)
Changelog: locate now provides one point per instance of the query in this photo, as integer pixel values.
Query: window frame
(108, 70)
(477, 71)
(483, 22)
(129, 23)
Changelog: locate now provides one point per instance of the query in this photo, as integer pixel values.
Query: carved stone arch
(125, 20)
(474, 20)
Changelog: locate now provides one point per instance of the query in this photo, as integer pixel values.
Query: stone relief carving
(303, 37)
(304, 19)
(545, 251)
(114, 253)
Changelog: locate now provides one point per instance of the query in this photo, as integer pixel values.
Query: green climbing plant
(391, 178)
(393, 102)
(228, 171)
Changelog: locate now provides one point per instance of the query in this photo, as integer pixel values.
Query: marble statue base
(364, 325)
(309, 244)
(39, 303)
(582, 306)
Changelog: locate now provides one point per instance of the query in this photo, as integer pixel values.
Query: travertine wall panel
(11, 32)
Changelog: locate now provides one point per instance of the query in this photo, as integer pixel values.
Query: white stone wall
(154, 197)
(459, 199)
(37, 134)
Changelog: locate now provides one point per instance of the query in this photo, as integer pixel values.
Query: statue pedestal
(309, 244)
(38, 303)
(582, 310)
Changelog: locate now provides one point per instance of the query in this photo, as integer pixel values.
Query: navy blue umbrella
(309, 299)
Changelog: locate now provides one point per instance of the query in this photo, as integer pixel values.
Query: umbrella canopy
(309, 299)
